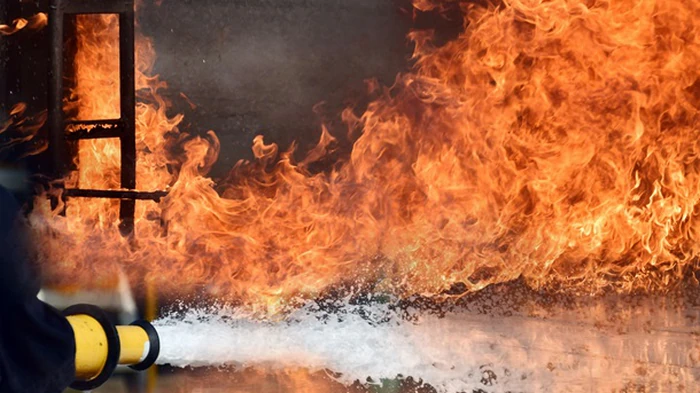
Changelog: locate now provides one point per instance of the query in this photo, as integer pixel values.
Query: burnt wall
(23, 59)
(259, 66)
(23, 75)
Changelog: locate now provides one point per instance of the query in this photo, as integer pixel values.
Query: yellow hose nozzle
(100, 346)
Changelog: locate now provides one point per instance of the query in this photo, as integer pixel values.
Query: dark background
(279, 68)
(260, 67)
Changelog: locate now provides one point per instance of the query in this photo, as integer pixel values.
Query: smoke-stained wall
(23, 76)
(259, 67)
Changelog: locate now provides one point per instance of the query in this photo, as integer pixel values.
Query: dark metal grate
(124, 128)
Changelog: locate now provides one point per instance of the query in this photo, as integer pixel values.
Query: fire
(36, 22)
(553, 141)
(23, 129)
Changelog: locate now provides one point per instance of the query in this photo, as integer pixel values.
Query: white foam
(460, 352)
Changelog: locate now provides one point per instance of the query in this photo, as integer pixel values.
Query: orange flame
(22, 129)
(555, 141)
(36, 22)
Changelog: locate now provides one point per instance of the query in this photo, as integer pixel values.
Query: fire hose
(100, 346)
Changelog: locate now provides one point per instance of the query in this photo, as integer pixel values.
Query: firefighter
(37, 345)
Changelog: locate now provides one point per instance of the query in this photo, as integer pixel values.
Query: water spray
(504, 350)
(565, 349)
(100, 346)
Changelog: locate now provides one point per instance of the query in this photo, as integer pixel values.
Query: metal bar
(130, 195)
(4, 64)
(57, 142)
(93, 129)
(96, 132)
(127, 99)
(110, 122)
(123, 128)
(97, 6)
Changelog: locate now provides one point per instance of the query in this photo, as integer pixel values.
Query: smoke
(260, 67)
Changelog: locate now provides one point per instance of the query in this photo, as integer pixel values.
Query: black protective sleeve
(37, 346)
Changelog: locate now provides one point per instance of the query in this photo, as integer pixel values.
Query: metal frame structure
(123, 128)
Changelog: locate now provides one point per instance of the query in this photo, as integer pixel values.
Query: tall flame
(555, 141)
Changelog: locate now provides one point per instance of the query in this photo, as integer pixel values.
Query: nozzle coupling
(100, 346)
